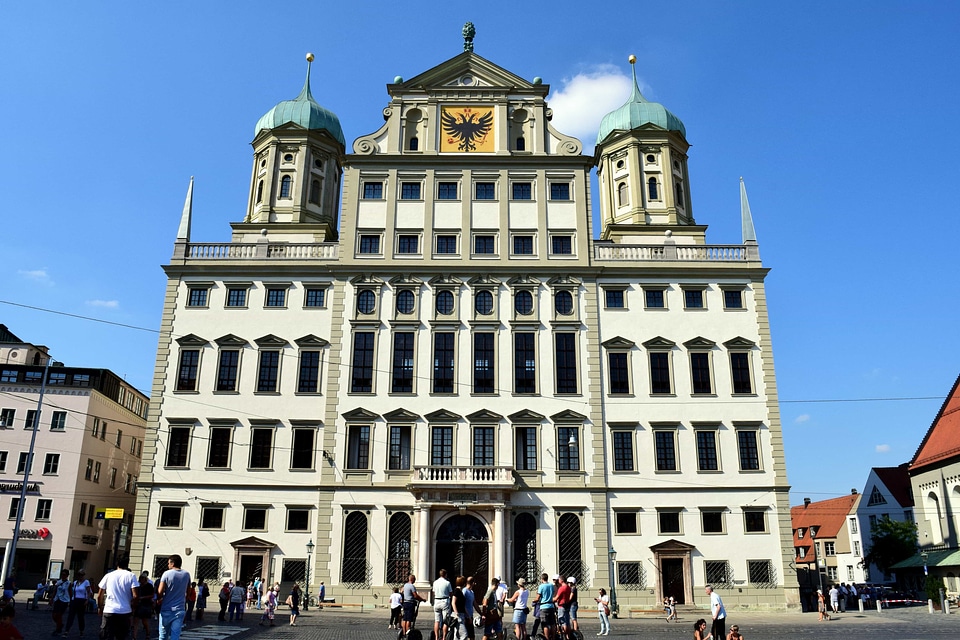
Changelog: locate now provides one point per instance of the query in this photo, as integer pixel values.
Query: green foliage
(893, 541)
(932, 587)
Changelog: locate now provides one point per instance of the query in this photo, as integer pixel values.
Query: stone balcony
(256, 250)
(434, 477)
(668, 252)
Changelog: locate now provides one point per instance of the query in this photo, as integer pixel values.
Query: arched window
(398, 549)
(414, 144)
(260, 192)
(652, 189)
(521, 144)
(315, 191)
(353, 570)
(679, 194)
(570, 547)
(622, 198)
(934, 517)
(285, 183)
(525, 561)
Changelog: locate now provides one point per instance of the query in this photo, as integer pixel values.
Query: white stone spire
(746, 219)
(183, 234)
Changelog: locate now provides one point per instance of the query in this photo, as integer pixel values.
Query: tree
(893, 541)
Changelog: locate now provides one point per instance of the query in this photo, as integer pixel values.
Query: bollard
(930, 605)
(946, 607)
(860, 601)
(879, 606)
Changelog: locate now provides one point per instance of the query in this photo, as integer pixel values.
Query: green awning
(938, 558)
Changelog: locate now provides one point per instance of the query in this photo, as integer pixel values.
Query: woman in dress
(269, 606)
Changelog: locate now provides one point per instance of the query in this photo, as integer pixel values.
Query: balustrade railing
(683, 253)
(262, 251)
(463, 475)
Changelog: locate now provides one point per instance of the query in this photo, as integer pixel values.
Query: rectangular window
(669, 521)
(276, 297)
(654, 299)
(237, 297)
(740, 372)
(712, 521)
(171, 516)
(22, 463)
(749, 452)
(44, 507)
(187, 370)
(88, 473)
(700, 372)
(402, 378)
(372, 190)
(850, 572)
(447, 191)
(81, 380)
(361, 379)
(178, 447)
(14, 507)
(218, 456)
(408, 243)
(856, 548)
(522, 191)
(128, 483)
(483, 446)
(707, 450)
(314, 297)
(832, 573)
(623, 451)
(732, 299)
(410, 191)
(483, 364)
(8, 375)
(228, 369)
(562, 245)
(308, 378)
(665, 442)
(96, 428)
(83, 513)
(619, 375)
(485, 191)
(269, 371)
(760, 572)
(298, 519)
(261, 448)
(399, 447)
(627, 522)
(614, 298)
(358, 447)
(660, 373)
(3, 461)
(525, 363)
(526, 448)
(853, 526)
(302, 454)
(59, 421)
(91, 514)
(254, 519)
(693, 298)
(57, 379)
(483, 244)
(33, 377)
(32, 419)
(446, 244)
(51, 464)
(566, 362)
(212, 518)
(441, 446)
(523, 245)
(568, 456)
(197, 297)
(754, 521)
(7, 417)
(443, 362)
(113, 477)
(370, 243)
(631, 574)
(559, 190)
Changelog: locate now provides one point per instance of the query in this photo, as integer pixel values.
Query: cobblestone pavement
(904, 624)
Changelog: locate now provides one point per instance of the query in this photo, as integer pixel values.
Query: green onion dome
(303, 111)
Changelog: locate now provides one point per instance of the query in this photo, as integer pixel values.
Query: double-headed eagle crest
(466, 127)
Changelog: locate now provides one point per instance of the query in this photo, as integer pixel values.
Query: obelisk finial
(468, 33)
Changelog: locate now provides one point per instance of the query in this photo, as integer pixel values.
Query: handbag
(606, 609)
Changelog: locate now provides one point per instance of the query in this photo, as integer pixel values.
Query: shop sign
(17, 487)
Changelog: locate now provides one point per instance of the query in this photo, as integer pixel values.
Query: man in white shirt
(442, 608)
(118, 590)
(718, 612)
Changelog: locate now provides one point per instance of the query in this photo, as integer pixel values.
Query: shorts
(548, 616)
(519, 616)
(442, 609)
(573, 610)
(563, 616)
(409, 611)
(496, 627)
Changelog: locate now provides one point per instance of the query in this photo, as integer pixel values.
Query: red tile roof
(943, 438)
(827, 516)
(897, 480)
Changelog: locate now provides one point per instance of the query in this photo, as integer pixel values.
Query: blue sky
(841, 117)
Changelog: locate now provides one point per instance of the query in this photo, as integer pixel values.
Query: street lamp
(613, 582)
(306, 589)
(816, 558)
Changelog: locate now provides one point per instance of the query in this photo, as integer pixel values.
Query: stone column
(499, 539)
(423, 545)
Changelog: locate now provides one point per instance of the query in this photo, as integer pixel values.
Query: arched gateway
(463, 548)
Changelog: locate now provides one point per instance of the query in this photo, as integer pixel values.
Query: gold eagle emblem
(467, 128)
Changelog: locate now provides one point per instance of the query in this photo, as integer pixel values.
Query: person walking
(396, 606)
(191, 600)
(143, 610)
(822, 606)
(61, 600)
(322, 595)
(548, 610)
(80, 594)
(603, 612)
(269, 606)
(203, 592)
(410, 599)
(834, 597)
(224, 598)
(237, 596)
(293, 601)
(172, 598)
(118, 589)
(718, 612)
(442, 608)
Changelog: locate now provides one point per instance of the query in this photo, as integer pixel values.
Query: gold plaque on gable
(467, 130)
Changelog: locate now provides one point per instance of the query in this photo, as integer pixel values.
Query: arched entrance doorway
(463, 549)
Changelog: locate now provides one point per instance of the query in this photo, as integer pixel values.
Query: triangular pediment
(481, 280)
(252, 542)
(672, 545)
(525, 416)
(191, 340)
(271, 340)
(311, 340)
(568, 415)
(739, 343)
(445, 280)
(659, 343)
(563, 280)
(699, 343)
(484, 415)
(366, 279)
(401, 414)
(523, 280)
(404, 279)
(443, 416)
(618, 343)
(465, 71)
(231, 340)
(360, 414)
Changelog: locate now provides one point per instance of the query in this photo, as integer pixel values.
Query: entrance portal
(251, 567)
(672, 571)
(463, 549)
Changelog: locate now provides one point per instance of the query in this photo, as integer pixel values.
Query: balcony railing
(261, 251)
(495, 477)
(673, 252)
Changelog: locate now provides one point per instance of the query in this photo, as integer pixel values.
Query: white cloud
(803, 417)
(882, 448)
(583, 100)
(106, 304)
(40, 276)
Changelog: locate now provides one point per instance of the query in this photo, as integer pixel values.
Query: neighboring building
(86, 459)
(451, 372)
(887, 494)
(823, 542)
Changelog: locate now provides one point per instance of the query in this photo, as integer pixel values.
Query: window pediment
(405, 280)
(568, 415)
(484, 415)
(739, 343)
(311, 340)
(442, 280)
(483, 280)
(618, 342)
(443, 416)
(271, 340)
(191, 340)
(564, 281)
(402, 414)
(526, 415)
(360, 414)
(699, 343)
(231, 340)
(366, 280)
(523, 281)
(659, 343)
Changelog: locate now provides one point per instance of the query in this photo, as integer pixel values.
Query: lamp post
(816, 558)
(306, 589)
(614, 609)
(923, 555)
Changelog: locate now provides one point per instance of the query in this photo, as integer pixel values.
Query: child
(7, 630)
(734, 633)
(396, 602)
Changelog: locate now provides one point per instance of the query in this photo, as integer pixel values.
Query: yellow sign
(467, 130)
(113, 514)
